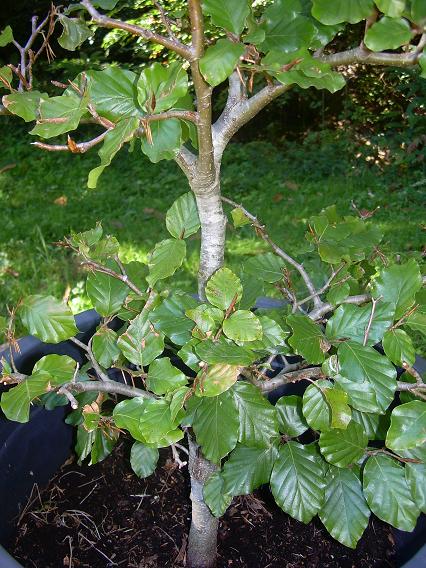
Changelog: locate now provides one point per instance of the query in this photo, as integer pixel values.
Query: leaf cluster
(352, 444)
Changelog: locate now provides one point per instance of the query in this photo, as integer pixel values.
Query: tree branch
(317, 313)
(187, 161)
(260, 229)
(112, 387)
(234, 116)
(75, 148)
(367, 57)
(110, 23)
(203, 92)
(283, 378)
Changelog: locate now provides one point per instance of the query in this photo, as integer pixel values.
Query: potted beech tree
(367, 421)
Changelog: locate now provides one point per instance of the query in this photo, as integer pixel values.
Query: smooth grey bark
(213, 229)
(202, 540)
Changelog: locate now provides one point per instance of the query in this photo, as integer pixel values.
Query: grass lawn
(44, 195)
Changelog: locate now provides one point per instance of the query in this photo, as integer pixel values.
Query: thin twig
(101, 374)
(370, 320)
(321, 290)
(71, 146)
(91, 265)
(71, 398)
(283, 378)
(261, 230)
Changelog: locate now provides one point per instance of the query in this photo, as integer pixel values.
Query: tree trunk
(201, 552)
(213, 226)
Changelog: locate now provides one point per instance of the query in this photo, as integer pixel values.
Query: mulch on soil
(103, 516)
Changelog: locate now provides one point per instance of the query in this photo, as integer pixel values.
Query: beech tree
(367, 423)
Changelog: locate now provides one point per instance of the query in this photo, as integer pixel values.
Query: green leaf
(349, 239)
(15, 403)
(50, 372)
(6, 74)
(398, 347)
(127, 415)
(341, 413)
(217, 379)
(388, 33)
(392, 8)
(6, 36)
(84, 443)
(408, 426)
(160, 87)
(297, 482)
(273, 336)
(285, 29)
(367, 377)
(223, 289)
(143, 459)
(104, 347)
(290, 416)
(351, 11)
(141, 343)
(105, 4)
(215, 497)
(216, 425)
(232, 17)
(164, 441)
(74, 33)
(224, 351)
(113, 142)
(166, 140)
(315, 407)
(242, 325)
(267, 267)
(415, 474)
(165, 259)
(248, 468)
(418, 12)
(58, 115)
(350, 322)
(47, 318)
(387, 492)
(169, 317)
(104, 440)
(163, 377)
(106, 293)
(219, 61)
(338, 293)
(177, 402)
(206, 317)
(239, 218)
(25, 104)
(417, 321)
(182, 218)
(345, 512)
(253, 288)
(112, 92)
(374, 425)
(258, 424)
(399, 284)
(307, 340)
(60, 367)
(343, 447)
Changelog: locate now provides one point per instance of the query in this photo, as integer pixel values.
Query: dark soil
(103, 516)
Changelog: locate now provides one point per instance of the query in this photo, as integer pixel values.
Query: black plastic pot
(32, 452)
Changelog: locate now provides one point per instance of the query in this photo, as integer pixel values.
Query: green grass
(282, 186)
